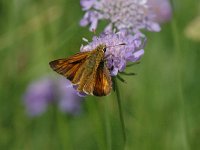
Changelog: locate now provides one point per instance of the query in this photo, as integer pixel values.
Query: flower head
(38, 95)
(131, 15)
(161, 10)
(69, 101)
(121, 48)
(46, 91)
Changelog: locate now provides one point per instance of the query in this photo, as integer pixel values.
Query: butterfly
(87, 71)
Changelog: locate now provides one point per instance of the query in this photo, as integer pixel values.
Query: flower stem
(182, 111)
(108, 128)
(120, 110)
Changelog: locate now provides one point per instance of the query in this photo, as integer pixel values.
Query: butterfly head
(101, 47)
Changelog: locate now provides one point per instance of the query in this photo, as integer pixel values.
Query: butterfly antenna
(116, 45)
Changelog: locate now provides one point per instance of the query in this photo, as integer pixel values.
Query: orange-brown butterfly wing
(69, 66)
(103, 83)
(90, 83)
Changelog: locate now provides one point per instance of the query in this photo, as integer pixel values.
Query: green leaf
(121, 79)
(128, 73)
(132, 64)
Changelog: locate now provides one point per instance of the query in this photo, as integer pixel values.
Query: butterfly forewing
(90, 83)
(68, 67)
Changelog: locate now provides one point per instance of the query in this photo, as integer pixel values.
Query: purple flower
(46, 91)
(69, 101)
(131, 15)
(161, 10)
(118, 55)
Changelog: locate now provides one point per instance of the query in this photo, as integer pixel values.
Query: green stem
(63, 129)
(178, 53)
(120, 110)
(108, 129)
(95, 118)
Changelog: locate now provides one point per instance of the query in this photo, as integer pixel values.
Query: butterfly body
(86, 70)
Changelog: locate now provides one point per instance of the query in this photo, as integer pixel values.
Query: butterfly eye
(104, 49)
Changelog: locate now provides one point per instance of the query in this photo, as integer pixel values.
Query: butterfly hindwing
(103, 83)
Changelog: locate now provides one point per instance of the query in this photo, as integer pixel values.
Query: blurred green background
(161, 104)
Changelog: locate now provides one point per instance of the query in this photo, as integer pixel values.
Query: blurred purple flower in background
(46, 91)
(161, 10)
(118, 55)
(69, 101)
(38, 95)
(131, 15)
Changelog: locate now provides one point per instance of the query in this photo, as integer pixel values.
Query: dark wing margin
(69, 66)
(103, 83)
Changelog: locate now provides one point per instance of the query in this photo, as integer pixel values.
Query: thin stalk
(177, 45)
(108, 128)
(64, 131)
(120, 110)
(95, 118)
